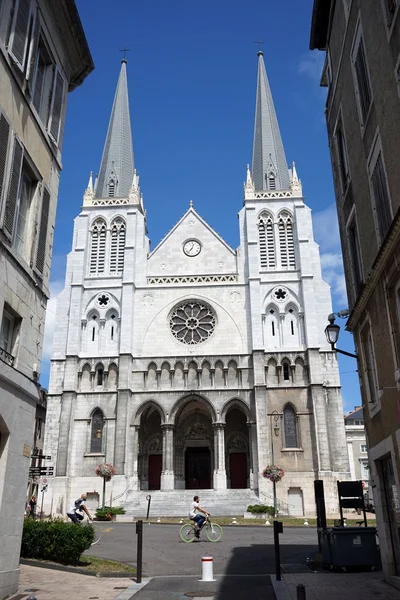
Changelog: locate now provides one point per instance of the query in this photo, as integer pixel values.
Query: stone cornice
(378, 267)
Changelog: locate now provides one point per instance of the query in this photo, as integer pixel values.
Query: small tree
(107, 472)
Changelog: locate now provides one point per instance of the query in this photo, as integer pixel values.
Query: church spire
(116, 169)
(270, 170)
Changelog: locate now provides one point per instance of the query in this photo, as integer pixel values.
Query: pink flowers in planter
(273, 473)
(106, 471)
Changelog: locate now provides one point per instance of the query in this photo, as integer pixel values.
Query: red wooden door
(155, 465)
(238, 470)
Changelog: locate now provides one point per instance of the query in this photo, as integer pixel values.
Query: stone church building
(193, 366)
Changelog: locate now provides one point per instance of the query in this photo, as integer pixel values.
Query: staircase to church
(175, 503)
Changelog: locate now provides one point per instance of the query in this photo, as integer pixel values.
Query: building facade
(43, 55)
(362, 43)
(189, 365)
(357, 446)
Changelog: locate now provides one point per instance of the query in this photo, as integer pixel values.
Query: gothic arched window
(286, 373)
(286, 245)
(290, 427)
(117, 250)
(96, 438)
(267, 241)
(98, 247)
(271, 182)
(99, 375)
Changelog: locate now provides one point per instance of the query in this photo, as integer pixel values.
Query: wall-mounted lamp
(332, 333)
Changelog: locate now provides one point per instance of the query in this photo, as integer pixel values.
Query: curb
(45, 565)
(133, 589)
(280, 590)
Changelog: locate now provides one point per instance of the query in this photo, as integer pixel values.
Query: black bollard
(301, 592)
(148, 498)
(139, 555)
(278, 528)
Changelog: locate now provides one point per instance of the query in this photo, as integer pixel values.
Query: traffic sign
(41, 456)
(44, 481)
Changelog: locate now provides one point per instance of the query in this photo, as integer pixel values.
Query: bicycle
(213, 532)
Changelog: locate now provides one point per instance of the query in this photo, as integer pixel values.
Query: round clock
(191, 248)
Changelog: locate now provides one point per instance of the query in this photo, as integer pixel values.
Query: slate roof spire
(116, 169)
(270, 169)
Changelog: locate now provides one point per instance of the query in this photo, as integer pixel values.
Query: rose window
(192, 322)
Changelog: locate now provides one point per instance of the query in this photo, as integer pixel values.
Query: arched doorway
(237, 449)
(150, 449)
(194, 451)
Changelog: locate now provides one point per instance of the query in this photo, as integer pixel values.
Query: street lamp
(275, 429)
(332, 335)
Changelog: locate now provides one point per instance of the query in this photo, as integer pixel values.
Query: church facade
(193, 366)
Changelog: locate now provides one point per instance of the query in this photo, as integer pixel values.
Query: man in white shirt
(194, 515)
(75, 510)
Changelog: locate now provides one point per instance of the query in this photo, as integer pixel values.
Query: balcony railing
(6, 357)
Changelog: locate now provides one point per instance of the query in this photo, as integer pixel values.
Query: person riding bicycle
(194, 515)
(75, 510)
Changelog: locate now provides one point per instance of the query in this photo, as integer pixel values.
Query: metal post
(139, 554)
(278, 528)
(104, 492)
(300, 592)
(148, 498)
(272, 460)
(41, 507)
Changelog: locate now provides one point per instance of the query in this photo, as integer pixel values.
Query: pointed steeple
(116, 169)
(270, 170)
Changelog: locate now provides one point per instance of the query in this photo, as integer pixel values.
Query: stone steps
(175, 503)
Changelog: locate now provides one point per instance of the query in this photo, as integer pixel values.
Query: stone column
(252, 441)
(321, 427)
(219, 456)
(167, 474)
(121, 432)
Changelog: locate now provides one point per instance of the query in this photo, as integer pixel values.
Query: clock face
(191, 248)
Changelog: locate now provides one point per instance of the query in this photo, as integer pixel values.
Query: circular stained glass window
(192, 322)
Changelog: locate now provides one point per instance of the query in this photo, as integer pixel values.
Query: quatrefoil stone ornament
(280, 294)
(103, 300)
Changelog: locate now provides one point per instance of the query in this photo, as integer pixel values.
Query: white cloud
(326, 232)
(312, 64)
(55, 288)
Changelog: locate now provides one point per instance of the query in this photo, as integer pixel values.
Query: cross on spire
(125, 50)
(259, 42)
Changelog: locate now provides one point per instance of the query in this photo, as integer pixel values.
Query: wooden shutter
(20, 32)
(33, 52)
(42, 235)
(13, 187)
(4, 136)
(56, 106)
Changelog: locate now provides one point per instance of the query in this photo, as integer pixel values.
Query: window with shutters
(379, 191)
(98, 247)
(266, 240)
(43, 81)
(27, 188)
(13, 187)
(43, 229)
(290, 427)
(56, 107)
(342, 156)
(117, 250)
(361, 76)
(10, 325)
(355, 254)
(20, 32)
(96, 439)
(4, 146)
(286, 244)
(369, 364)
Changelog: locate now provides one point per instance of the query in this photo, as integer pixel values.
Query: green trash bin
(350, 547)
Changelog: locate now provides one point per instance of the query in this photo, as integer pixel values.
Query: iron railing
(6, 357)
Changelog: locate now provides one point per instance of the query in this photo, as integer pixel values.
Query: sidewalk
(47, 584)
(336, 586)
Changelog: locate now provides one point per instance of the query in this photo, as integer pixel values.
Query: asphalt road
(241, 551)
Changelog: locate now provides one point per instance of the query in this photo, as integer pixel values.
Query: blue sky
(192, 71)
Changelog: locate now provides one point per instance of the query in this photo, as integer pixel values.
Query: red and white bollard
(207, 569)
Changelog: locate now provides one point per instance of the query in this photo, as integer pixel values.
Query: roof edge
(87, 60)
(320, 23)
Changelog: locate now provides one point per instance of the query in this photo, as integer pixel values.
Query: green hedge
(55, 541)
(109, 510)
(260, 508)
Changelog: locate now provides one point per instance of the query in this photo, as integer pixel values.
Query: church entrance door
(155, 465)
(238, 470)
(198, 469)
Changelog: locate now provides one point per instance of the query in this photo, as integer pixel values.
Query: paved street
(242, 550)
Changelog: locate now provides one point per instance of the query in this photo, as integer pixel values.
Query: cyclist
(75, 510)
(194, 515)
